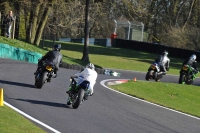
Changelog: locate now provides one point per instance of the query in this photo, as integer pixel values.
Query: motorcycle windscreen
(153, 67)
(185, 68)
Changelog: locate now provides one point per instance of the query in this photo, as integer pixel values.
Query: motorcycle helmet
(193, 57)
(90, 65)
(57, 47)
(165, 52)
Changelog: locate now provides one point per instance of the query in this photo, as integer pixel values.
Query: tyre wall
(7, 51)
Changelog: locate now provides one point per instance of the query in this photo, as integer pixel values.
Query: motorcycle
(79, 91)
(154, 72)
(186, 75)
(44, 73)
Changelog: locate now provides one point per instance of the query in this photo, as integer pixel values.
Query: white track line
(33, 119)
(103, 84)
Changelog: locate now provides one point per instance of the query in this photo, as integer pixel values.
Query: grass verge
(12, 122)
(183, 98)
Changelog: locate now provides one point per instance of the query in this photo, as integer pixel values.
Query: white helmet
(90, 65)
(193, 57)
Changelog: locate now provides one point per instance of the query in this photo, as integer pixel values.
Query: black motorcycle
(79, 92)
(44, 74)
(186, 75)
(154, 72)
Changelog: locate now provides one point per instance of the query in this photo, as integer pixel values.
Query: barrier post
(1, 96)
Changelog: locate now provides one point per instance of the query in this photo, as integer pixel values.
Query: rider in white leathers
(88, 74)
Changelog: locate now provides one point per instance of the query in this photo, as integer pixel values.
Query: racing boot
(86, 96)
(193, 76)
(54, 75)
(49, 80)
(88, 93)
(163, 73)
(70, 91)
(35, 73)
(69, 102)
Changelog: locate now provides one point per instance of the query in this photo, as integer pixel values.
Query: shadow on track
(16, 83)
(43, 103)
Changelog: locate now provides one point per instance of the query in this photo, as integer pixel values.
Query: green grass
(102, 57)
(179, 97)
(12, 122)
(115, 58)
(184, 98)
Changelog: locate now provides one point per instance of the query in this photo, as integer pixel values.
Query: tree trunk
(85, 57)
(28, 27)
(34, 25)
(2, 10)
(17, 20)
(41, 26)
(189, 14)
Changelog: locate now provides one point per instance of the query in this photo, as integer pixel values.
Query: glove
(74, 77)
(167, 68)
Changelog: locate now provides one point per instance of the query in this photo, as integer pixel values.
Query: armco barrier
(7, 51)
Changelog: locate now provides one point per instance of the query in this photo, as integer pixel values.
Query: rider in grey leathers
(163, 61)
(54, 56)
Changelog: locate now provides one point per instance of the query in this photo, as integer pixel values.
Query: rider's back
(54, 56)
(90, 75)
(162, 60)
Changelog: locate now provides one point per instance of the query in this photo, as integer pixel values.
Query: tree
(85, 57)
(65, 18)
(36, 16)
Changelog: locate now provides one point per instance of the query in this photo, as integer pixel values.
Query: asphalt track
(105, 112)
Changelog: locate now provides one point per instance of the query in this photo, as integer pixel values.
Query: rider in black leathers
(191, 61)
(163, 61)
(54, 56)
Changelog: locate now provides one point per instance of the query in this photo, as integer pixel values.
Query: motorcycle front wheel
(149, 75)
(182, 79)
(78, 99)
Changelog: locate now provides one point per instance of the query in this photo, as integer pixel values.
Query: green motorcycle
(187, 75)
(79, 92)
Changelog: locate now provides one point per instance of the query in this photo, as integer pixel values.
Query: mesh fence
(130, 30)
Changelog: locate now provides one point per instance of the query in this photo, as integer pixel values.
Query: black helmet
(165, 52)
(57, 47)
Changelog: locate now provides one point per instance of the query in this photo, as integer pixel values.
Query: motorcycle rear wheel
(41, 81)
(78, 99)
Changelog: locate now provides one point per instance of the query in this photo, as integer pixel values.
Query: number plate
(49, 68)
